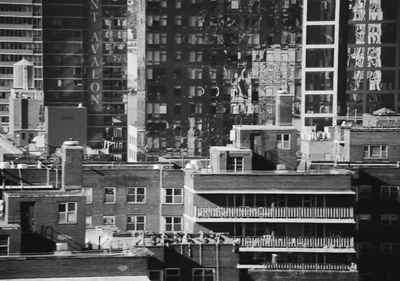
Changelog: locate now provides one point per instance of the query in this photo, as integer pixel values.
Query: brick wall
(64, 266)
(123, 178)
(270, 181)
(45, 214)
(220, 257)
(360, 138)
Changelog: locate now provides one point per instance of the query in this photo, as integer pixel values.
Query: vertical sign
(95, 58)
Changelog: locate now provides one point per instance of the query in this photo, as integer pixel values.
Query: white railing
(310, 266)
(275, 212)
(269, 241)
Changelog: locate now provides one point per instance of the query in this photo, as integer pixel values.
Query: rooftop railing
(275, 212)
(303, 266)
(269, 241)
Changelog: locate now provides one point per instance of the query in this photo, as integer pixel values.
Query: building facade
(85, 59)
(205, 66)
(350, 59)
(20, 37)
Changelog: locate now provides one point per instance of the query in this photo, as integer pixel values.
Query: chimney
(72, 154)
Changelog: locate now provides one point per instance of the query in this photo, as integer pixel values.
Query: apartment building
(350, 51)
(85, 59)
(205, 66)
(20, 37)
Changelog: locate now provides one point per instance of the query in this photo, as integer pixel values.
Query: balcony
(274, 214)
(296, 244)
(300, 266)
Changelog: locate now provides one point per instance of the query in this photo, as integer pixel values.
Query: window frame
(281, 143)
(135, 222)
(108, 217)
(91, 221)
(383, 153)
(387, 192)
(167, 276)
(67, 213)
(203, 276)
(88, 195)
(114, 195)
(5, 246)
(173, 196)
(135, 195)
(173, 224)
(161, 272)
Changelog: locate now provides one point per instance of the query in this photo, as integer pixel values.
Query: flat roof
(100, 278)
(263, 127)
(42, 193)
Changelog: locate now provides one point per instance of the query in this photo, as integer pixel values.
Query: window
(155, 275)
(390, 192)
(389, 219)
(178, 55)
(203, 274)
(109, 195)
(364, 192)
(173, 196)
(4, 244)
(89, 221)
(178, 38)
(135, 223)
(390, 248)
(364, 219)
(178, 20)
(136, 195)
(67, 213)
(177, 108)
(283, 141)
(172, 274)
(109, 220)
(173, 224)
(235, 164)
(196, 56)
(88, 191)
(375, 151)
(178, 4)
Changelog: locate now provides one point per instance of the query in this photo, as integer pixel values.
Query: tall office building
(20, 37)
(351, 59)
(85, 60)
(203, 65)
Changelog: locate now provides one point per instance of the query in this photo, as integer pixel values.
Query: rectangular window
(173, 196)
(135, 223)
(88, 191)
(109, 220)
(364, 192)
(155, 275)
(283, 141)
(109, 195)
(203, 274)
(364, 219)
(173, 224)
(172, 274)
(389, 219)
(4, 245)
(136, 195)
(390, 192)
(235, 164)
(375, 151)
(67, 212)
(89, 221)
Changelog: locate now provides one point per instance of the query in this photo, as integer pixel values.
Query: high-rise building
(20, 37)
(85, 60)
(350, 59)
(201, 73)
